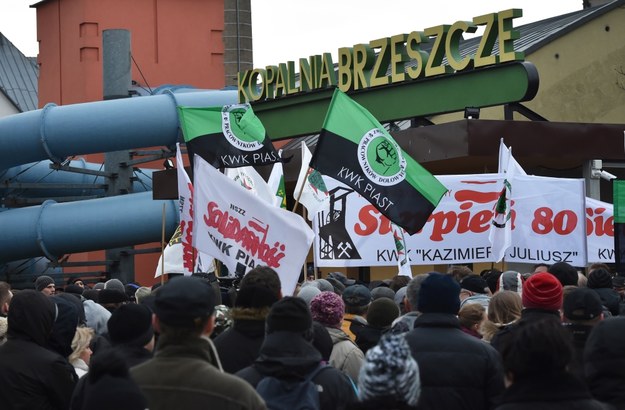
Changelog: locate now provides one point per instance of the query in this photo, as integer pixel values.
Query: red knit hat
(542, 291)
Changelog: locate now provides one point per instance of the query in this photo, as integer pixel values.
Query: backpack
(280, 394)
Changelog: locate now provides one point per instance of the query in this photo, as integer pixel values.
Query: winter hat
(307, 293)
(328, 309)
(390, 370)
(542, 291)
(341, 278)
(382, 312)
(255, 297)
(474, 283)
(31, 316)
(98, 286)
(184, 301)
(382, 292)
(400, 295)
(439, 294)
(42, 282)
(510, 280)
(337, 285)
(312, 283)
(106, 296)
(599, 278)
(289, 314)
(324, 285)
(564, 272)
(356, 296)
(73, 289)
(115, 284)
(582, 304)
(131, 324)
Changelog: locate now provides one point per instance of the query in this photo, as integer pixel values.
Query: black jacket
(239, 346)
(610, 299)
(527, 315)
(457, 371)
(562, 391)
(31, 376)
(288, 355)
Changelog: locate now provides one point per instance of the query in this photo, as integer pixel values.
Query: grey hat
(115, 284)
(382, 292)
(324, 285)
(308, 293)
(341, 278)
(42, 282)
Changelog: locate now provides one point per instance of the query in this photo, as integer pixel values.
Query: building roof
(18, 76)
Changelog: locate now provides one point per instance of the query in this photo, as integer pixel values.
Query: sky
(284, 30)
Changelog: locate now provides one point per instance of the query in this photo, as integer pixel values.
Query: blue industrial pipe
(40, 172)
(56, 132)
(54, 229)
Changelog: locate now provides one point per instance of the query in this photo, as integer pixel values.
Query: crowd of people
(549, 339)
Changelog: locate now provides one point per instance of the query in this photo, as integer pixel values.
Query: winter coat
(31, 376)
(345, 356)
(580, 335)
(404, 323)
(183, 375)
(287, 355)
(80, 367)
(239, 346)
(352, 325)
(369, 336)
(610, 299)
(457, 371)
(559, 392)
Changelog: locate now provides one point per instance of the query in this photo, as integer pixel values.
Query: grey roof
(18, 76)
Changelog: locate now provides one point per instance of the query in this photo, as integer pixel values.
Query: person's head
(471, 316)
(357, 299)
(540, 267)
(75, 280)
(618, 284)
(505, 307)
(491, 276)
(307, 293)
(131, 325)
(542, 291)
(459, 272)
(290, 314)
(598, 266)
(582, 306)
(112, 299)
(540, 348)
(5, 298)
(263, 276)
(344, 280)
(599, 279)
(115, 284)
(81, 345)
(582, 280)
(390, 372)
(412, 292)
(472, 285)
(184, 308)
(31, 317)
(382, 312)
(510, 280)
(382, 292)
(566, 273)
(141, 293)
(439, 294)
(45, 284)
(253, 302)
(328, 309)
(398, 282)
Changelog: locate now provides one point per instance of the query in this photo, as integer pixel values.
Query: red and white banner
(243, 231)
(549, 224)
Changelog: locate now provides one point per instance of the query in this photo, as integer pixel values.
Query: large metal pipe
(56, 132)
(54, 229)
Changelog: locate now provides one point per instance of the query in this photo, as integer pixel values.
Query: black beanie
(599, 278)
(439, 294)
(290, 314)
(255, 297)
(42, 282)
(131, 324)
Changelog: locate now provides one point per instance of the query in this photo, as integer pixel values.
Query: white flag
(250, 179)
(314, 194)
(243, 231)
(500, 235)
(276, 183)
(403, 260)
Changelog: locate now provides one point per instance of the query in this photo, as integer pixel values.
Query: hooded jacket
(345, 356)
(31, 376)
(287, 355)
(184, 375)
(239, 346)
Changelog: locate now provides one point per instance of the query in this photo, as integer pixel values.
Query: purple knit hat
(328, 309)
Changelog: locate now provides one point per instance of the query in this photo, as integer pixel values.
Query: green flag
(231, 136)
(354, 148)
(618, 190)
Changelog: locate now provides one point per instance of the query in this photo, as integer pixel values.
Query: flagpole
(163, 247)
(299, 195)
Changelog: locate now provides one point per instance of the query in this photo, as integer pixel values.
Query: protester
(457, 370)
(566, 273)
(112, 298)
(510, 280)
(600, 281)
(131, 333)
(239, 346)
(382, 292)
(307, 293)
(398, 282)
(65, 324)
(535, 362)
(288, 355)
(471, 317)
(491, 276)
(604, 361)
(400, 295)
(382, 313)
(389, 377)
(185, 372)
(45, 284)
(5, 298)
(81, 350)
(504, 309)
(405, 322)
(541, 299)
(459, 272)
(474, 289)
(31, 376)
(328, 309)
(141, 293)
(357, 299)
